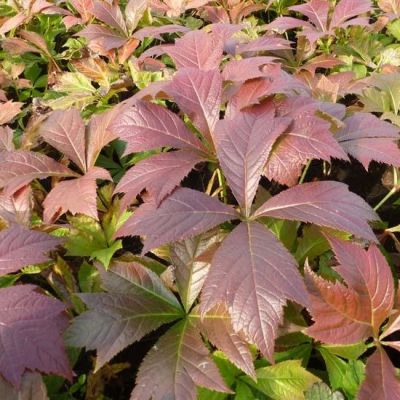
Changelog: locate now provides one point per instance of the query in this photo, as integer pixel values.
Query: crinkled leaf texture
(175, 365)
(381, 381)
(183, 214)
(20, 246)
(328, 204)
(255, 279)
(136, 303)
(352, 313)
(31, 325)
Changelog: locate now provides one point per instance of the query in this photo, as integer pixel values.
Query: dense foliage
(198, 199)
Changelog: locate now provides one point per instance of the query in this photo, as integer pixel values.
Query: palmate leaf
(328, 204)
(243, 146)
(65, 131)
(136, 303)
(175, 365)
(20, 167)
(183, 214)
(366, 138)
(380, 381)
(198, 94)
(255, 279)
(31, 325)
(8, 111)
(20, 246)
(159, 174)
(346, 315)
(63, 197)
(147, 126)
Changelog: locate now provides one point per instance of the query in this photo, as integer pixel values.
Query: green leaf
(285, 231)
(394, 28)
(343, 375)
(349, 352)
(105, 255)
(284, 381)
(89, 279)
(243, 392)
(87, 238)
(321, 391)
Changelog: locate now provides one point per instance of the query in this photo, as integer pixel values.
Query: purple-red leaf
(337, 311)
(175, 365)
(347, 9)
(65, 131)
(366, 138)
(380, 381)
(183, 214)
(146, 126)
(190, 269)
(110, 14)
(308, 138)
(20, 246)
(243, 146)
(30, 333)
(216, 325)
(8, 111)
(17, 208)
(328, 204)
(159, 174)
(198, 94)
(99, 135)
(63, 197)
(18, 168)
(102, 37)
(263, 43)
(346, 315)
(6, 139)
(316, 11)
(136, 303)
(196, 49)
(32, 388)
(247, 68)
(255, 280)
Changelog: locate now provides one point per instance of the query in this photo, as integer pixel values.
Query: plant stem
(305, 170)
(222, 184)
(393, 191)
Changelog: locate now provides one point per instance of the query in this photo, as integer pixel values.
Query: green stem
(305, 170)
(222, 184)
(386, 198)
(393, 191)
